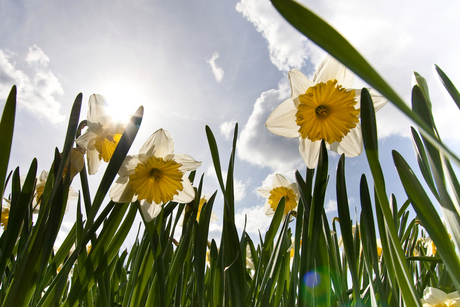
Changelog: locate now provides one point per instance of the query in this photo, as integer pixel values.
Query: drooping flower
(325, 108)
(5, 213)
(280, 187)
(39, 189)
(433, 297)
(102, 136)
(155, 176)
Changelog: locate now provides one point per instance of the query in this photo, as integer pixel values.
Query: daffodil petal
(282, 120)
(149, 211)
(188, 163)
(351, 145)
(128, 166)
(97, 110)
(434, 296)
(299, 83)
(330, 69)
(264, 191)
(377, 99)
(309, 151)
(268, 210)
(84, 139)
(159, 144)
(92, 156)
(122, 191)
(280, 181)
(187, 194)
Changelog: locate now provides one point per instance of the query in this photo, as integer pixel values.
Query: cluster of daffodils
(326, 108)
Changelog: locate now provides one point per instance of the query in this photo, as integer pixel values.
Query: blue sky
(215, 63)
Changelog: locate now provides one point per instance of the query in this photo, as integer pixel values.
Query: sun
(123, 100)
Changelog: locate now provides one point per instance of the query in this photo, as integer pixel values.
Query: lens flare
(312, 279)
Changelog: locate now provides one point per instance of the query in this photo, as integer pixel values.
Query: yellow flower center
(290, 199)
(5, 216)
(326, 112)
(156, 180)
(106, 144)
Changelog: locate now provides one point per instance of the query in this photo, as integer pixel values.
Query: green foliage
(383, 258)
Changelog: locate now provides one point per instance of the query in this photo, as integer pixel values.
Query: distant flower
(323, 109)
(188, 210)
(76, 163)
(433, 297)
(5, 213)
(102, 136)
(155, 176)
(40, 188)
(430, 247)
(280, 187)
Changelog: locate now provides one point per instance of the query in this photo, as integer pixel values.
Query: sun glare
(123, 101)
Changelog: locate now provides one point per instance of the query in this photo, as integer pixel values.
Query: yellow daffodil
(155, 176)
(325, 108)
(433, 297)
(280, 187)
(40, 187)
(5, 213)
(102, 136)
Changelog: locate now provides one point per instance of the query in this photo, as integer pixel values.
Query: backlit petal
(377, 99)
(121, 191)
(159, 144)
(299, 83)
(351, 145)
(434, 296)
(187, 194)
(282, 120)
(92, 156)
(188, 163)
(128, 166)
(309, 151)
(97, 110)
(280, 181)
(330, 69)
(149, 211)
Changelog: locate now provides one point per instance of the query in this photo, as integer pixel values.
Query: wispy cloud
(37, 87)
(256, 220)
(216, 70)
(288, 48)
(227, 128)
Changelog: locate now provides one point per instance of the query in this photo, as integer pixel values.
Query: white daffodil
(433, 297)
(280, 187)
(155, 176)
(5, 213)
(325, 108)
(188, 208)
(102, 136)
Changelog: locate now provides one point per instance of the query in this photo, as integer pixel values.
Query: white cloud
(227, 129)
(256, 220)
(239, 187)
(288, 48)
(216, 70)
(330, 206)
(36, 89)
(37, 56)
(259, 146)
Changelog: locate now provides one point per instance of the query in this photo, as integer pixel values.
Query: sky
(216, 63)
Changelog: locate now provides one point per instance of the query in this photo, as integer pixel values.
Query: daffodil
(5, 213)
(433, 297)
(325, 108)
(40, 187)
(155, 176)
(188, 210)
(281, 187)
(102, 136)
